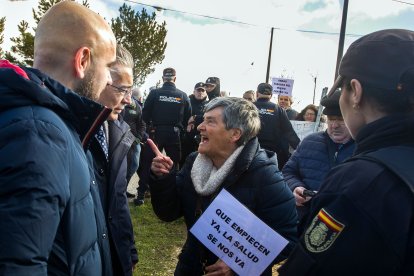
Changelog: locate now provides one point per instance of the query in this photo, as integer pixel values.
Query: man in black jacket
(191, 139)
(51, 217)
(110, 165)
(276, 126)
(166, 112)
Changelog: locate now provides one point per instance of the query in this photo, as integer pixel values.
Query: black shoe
(138, 202)
(129, 195)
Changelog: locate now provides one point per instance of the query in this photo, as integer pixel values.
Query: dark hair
(387, 101)
(301, 115)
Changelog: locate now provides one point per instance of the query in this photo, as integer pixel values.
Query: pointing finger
(154, 147)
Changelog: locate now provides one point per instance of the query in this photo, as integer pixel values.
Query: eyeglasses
(124, 91)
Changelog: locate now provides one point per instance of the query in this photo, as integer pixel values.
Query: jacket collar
(168, 84)
(388, 131)
(81, 113)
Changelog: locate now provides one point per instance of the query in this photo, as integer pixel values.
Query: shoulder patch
(322, 232)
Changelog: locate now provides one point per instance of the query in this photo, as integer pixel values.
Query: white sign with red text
(239, 238)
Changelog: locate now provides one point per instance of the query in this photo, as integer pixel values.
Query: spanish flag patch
(322, 232)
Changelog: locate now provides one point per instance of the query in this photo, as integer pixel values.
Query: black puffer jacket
(112, 184)
(51, 219)
(255, 181)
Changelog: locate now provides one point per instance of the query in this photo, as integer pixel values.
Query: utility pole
(270, 56)
(314, 88)
(341, 37)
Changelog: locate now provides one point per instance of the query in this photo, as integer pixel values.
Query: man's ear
(83, 60)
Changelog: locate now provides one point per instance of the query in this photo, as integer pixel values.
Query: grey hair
(123, 57)
(238, 113)
(136, 92)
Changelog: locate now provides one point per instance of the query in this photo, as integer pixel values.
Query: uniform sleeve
(140, 123)
(288, 131)
(34, 191)
(187, 111)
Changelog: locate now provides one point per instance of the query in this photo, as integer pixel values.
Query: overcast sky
(305, 41)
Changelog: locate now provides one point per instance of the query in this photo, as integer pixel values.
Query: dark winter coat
(275, 130)
(132, 115)
(112, 185)
(197, 109)
(255, 181)
(361, 221)
(315, 156)
(49, 220)
(291, 113)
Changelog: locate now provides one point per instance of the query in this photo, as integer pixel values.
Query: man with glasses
(166, 113)
(191, 139)
(109, 150)
(317, 154)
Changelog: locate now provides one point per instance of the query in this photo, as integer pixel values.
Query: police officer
(198, 101)
(275, 125)
(166, 113)
(361, 220)
(213, 87)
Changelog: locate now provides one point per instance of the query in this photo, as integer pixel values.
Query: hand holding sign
(219, 268)
(161, 164)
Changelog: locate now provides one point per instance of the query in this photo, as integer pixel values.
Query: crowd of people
(74, 129)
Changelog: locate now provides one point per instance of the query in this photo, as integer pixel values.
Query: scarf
(206, 178)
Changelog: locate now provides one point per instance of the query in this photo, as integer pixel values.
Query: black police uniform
(191, 139)
(275, 126)
(361, 221)
(166, 112)
(132, 115)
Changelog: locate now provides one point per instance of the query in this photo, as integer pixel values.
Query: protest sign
(232, 232)
(304, 128)
(282, 87)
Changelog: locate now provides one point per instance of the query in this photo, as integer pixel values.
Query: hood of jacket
(36, 88)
